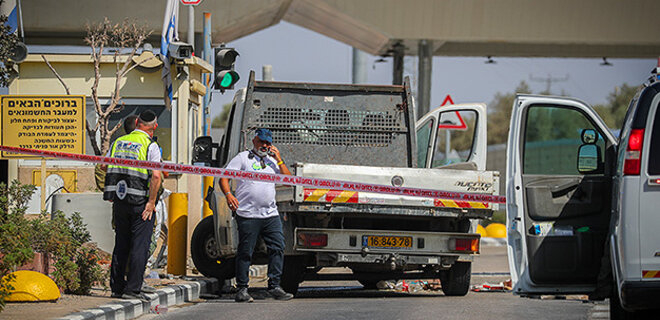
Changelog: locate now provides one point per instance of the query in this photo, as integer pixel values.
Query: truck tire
(206, 253)
(456, 280)
(293, 273)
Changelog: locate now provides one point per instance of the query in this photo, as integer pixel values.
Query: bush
(16, 240)
(64, 240)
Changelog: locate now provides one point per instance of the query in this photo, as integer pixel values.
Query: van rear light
(465, 245)
(312, 240)
(633, 158)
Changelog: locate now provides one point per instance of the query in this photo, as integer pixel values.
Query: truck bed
(325, 200)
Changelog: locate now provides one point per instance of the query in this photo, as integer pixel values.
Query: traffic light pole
(206, 56)
(191, 25)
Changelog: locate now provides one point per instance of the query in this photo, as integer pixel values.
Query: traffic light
(225, 76)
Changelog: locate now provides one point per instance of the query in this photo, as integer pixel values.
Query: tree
(617, 104)
(8, 43)
(124, 38)
(220, 121)
(499, 114)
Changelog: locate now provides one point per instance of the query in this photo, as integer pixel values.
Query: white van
(571, 185)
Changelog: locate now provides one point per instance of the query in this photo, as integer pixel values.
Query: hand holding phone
(275, 153)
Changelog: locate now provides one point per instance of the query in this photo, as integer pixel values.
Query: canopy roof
(530, 28)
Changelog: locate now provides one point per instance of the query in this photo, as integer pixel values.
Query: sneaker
(243, 296)
(279, 294)
(115, 295)
(148, 289)
(134, 296)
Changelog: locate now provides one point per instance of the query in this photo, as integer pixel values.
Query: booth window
(163, 133)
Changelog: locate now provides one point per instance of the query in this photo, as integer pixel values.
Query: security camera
(19, 53)
(180, 50)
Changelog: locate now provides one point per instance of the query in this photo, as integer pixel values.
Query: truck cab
(578, 198)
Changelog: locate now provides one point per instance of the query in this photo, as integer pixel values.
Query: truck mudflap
(369, 246)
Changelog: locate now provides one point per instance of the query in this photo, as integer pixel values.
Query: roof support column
(425, 68)
(359, 66)
(397, 64)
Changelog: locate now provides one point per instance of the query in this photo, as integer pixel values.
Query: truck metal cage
(319, 123)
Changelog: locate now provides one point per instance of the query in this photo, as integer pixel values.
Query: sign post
(458, 123)
(43, 184)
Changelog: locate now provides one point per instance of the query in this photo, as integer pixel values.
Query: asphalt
(491, 266)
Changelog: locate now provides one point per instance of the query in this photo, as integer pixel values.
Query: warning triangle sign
(451, 120)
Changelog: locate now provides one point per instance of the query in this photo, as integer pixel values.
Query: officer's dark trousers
(249, 230)
(132, 239)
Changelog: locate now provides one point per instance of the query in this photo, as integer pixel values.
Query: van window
(552, 140)
(654, 150)
(455, 137)
(423, 139)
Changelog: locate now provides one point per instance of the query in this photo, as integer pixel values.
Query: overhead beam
(514, 28)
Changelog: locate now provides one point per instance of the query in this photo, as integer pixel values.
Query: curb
(493, 242)
(129, 309)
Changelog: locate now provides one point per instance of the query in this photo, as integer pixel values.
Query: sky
(301, 55)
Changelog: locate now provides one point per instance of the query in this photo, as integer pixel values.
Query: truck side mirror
(202, 150)
(589, 154)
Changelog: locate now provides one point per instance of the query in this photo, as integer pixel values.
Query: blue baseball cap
(264, 135)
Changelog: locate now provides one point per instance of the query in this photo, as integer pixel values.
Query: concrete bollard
(206, 211)
(177, 233)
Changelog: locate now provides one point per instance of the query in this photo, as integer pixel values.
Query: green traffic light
(227, 80)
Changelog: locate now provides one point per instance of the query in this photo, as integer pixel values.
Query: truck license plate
(387, 242)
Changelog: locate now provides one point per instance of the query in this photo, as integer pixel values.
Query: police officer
(256, 214)
(133, 193)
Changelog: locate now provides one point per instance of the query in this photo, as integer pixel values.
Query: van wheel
(293, 273)
(456, 280)
(206, 253)
(617, 312)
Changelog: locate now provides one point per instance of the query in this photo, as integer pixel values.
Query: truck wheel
(456, 280)
(292, 273)
(206, 253)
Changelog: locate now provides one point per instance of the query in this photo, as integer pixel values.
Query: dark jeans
(249, 230)
(132, 239)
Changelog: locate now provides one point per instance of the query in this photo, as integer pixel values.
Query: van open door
(559, 177)
(453, 137)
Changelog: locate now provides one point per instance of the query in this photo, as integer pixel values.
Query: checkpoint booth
(31, 124)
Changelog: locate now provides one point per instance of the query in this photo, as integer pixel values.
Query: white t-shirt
(256, 199)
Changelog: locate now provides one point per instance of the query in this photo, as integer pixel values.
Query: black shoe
(243, 296)
(133, 296)
(279, 294)
(148, 289)
(115, 295)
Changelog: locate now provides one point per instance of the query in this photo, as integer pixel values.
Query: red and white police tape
(274, 178)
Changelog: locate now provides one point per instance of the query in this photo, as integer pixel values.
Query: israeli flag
(10, 9)
(170, 33)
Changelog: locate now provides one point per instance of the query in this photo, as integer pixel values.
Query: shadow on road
(331, 292)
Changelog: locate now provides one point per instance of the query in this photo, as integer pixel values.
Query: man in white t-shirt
(256, 214)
